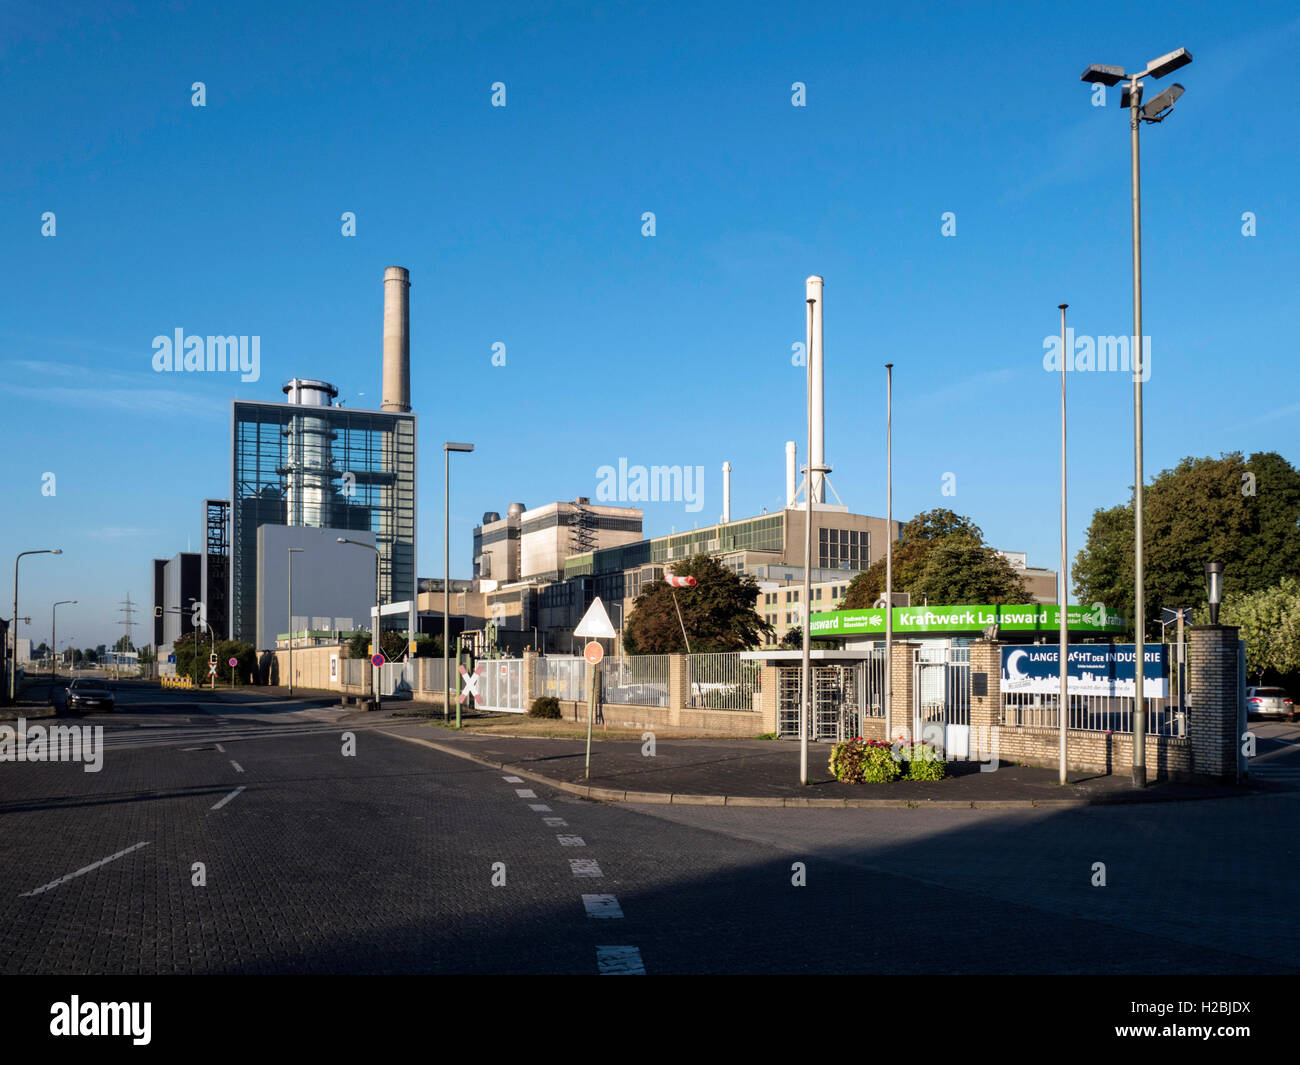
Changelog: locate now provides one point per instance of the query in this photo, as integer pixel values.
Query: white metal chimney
(726, 492)
(813, 290)
(791, 472)
(397, 340)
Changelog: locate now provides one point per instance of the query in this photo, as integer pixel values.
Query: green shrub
(545, 706)
(858, 761)
(923, 762)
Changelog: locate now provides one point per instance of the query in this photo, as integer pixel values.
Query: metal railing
(723, 682)
(352, 671)
(565, 678)
(636, 680)
(1091, 713)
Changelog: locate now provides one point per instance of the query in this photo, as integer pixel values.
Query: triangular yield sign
(595, 622)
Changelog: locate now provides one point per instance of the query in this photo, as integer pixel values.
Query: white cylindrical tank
(726, 492)
(791, 472)
(308, 471)
(397, 340)
(813, 290)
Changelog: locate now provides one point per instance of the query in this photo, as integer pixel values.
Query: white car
(1269, 702)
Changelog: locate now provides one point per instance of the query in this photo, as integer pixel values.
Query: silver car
(1269, 702)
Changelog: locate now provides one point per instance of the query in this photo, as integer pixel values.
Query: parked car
(87, 694)
(1269, 702)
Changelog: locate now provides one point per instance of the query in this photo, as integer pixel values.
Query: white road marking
(571, 841)
(619, 961)
(238, 768)
(602, 906)
(228, 797)
(526, 793)
(513, 780)
(555, 822)
(540, 807)
(585, 867)
(80, 872)
(223, 750)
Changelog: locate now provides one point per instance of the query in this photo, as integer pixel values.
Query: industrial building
(308, 463)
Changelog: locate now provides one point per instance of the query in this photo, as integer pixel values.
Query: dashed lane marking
(555, 822)
(238, 768)
(228, 797)
(223, 750)
(513, 780)
(526, 793)
(83, 871)
(539, 807)
(602, 906)
(571, 841)
(619, 961)
(585, 867)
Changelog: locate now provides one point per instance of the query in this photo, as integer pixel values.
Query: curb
(664, 798)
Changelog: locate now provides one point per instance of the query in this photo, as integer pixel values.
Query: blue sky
(522, 225)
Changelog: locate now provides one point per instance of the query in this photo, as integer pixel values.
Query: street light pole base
(1139, 776)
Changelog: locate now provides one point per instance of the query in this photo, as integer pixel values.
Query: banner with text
(1093, 669)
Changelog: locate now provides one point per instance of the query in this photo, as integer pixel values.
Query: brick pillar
(1213, 697)
(900, 696)
(678, 688)
(529, 678)
(986, 659)
(771, 681)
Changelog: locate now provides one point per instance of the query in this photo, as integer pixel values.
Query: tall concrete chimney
(397, 340)
(813, 290)
(726, 492)
(791, 472)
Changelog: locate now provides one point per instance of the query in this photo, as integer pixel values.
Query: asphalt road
(384, 861)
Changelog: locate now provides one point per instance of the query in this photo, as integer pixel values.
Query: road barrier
(176, 682)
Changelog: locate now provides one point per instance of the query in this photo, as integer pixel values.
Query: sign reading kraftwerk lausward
(968, 619)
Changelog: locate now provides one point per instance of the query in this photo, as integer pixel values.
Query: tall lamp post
(292, 551)
(447, 449)
(1155, 111)
(54, 662)
(374, 628)
(203, 620)
(889, 546)
(1063, 593)
(13, 662)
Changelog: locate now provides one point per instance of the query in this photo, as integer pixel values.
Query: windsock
(680, 582)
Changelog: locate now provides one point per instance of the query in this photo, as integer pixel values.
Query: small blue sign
(171, 659)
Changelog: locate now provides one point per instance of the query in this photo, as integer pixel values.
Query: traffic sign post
(233, 663)
(595, 623)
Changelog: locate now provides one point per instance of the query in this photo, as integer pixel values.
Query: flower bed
(859, 761)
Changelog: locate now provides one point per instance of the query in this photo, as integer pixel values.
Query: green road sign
(967, 619)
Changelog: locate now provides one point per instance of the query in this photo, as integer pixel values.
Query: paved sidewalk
(766, 773)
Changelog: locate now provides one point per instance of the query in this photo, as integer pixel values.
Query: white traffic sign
(212, 670)
(595, 623)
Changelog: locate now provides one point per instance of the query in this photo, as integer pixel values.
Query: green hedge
(545, 706)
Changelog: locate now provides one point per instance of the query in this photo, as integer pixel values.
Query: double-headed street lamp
(1156, 111)
(54, 662)
(379, 603)
(13, 662)
(447, 449)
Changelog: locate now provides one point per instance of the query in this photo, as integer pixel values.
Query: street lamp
(447, 449)
(54, 643)
(202, 615)
(1155, 111)
(292, 551)
(374, 628)
(1214, 588)
(13, 662)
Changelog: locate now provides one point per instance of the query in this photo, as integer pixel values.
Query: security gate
(837, 701)
(941, 699)
(500, 685)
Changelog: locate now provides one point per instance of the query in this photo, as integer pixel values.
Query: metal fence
(723, 682)
(636, 680)
(353, 671)
(428, 674)
(500, 684)
(565, 678)
(1091, 713)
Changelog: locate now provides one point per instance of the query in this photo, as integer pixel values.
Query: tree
(123, 644)
(793, 641)
(1241, 512)
(718, 612)
(994, 581)
(193, 649)
(1269, 620)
